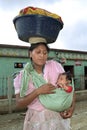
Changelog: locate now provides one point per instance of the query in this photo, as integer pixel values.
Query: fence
(6, 87)
(6, 92)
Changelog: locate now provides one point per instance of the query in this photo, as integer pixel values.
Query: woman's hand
(69, 112)
(46, 89)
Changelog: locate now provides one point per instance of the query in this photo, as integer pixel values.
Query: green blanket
(58, 101)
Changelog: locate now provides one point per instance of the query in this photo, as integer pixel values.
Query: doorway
(69, 68)
(85, 75)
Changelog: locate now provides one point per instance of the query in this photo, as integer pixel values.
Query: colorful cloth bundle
(35, 10)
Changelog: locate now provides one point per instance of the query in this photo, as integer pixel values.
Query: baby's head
(64, 78)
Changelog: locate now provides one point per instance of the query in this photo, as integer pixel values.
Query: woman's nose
(42, 54)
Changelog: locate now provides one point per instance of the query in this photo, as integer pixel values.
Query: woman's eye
(45, 53)
(38, 52)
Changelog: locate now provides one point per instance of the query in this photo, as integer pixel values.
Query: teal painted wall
(7, 70)
(7, 65)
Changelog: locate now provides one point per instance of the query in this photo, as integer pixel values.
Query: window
(19, 65)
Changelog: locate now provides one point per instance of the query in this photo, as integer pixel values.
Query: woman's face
(39, 55)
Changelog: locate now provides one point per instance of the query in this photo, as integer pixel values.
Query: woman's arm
(69, 112)
(24, 101)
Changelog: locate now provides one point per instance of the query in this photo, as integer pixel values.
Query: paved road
(14, 121)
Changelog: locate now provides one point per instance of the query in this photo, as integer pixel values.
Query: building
(13, 59)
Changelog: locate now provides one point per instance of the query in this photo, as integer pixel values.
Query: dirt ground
(79, 118)
(14, 121)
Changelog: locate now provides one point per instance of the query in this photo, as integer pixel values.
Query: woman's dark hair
(33, 46)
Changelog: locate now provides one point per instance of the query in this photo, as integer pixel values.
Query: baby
(61, 100)
(64, 81)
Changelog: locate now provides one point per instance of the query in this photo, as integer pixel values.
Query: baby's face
(62, 79)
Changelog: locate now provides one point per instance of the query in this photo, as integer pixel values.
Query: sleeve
(17, 83)
(53, 69)
(58, 67)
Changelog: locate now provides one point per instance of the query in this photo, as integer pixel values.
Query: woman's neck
(38, 68)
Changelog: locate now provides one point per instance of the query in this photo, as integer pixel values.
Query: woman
(37, 116)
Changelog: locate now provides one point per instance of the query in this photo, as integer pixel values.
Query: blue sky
(73, 36)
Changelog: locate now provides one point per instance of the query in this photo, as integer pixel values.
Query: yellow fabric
(35, 10)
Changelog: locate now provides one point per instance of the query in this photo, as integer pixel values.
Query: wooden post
(9, 94)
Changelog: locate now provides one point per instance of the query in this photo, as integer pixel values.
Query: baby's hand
(60, 85)
(68, 89)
